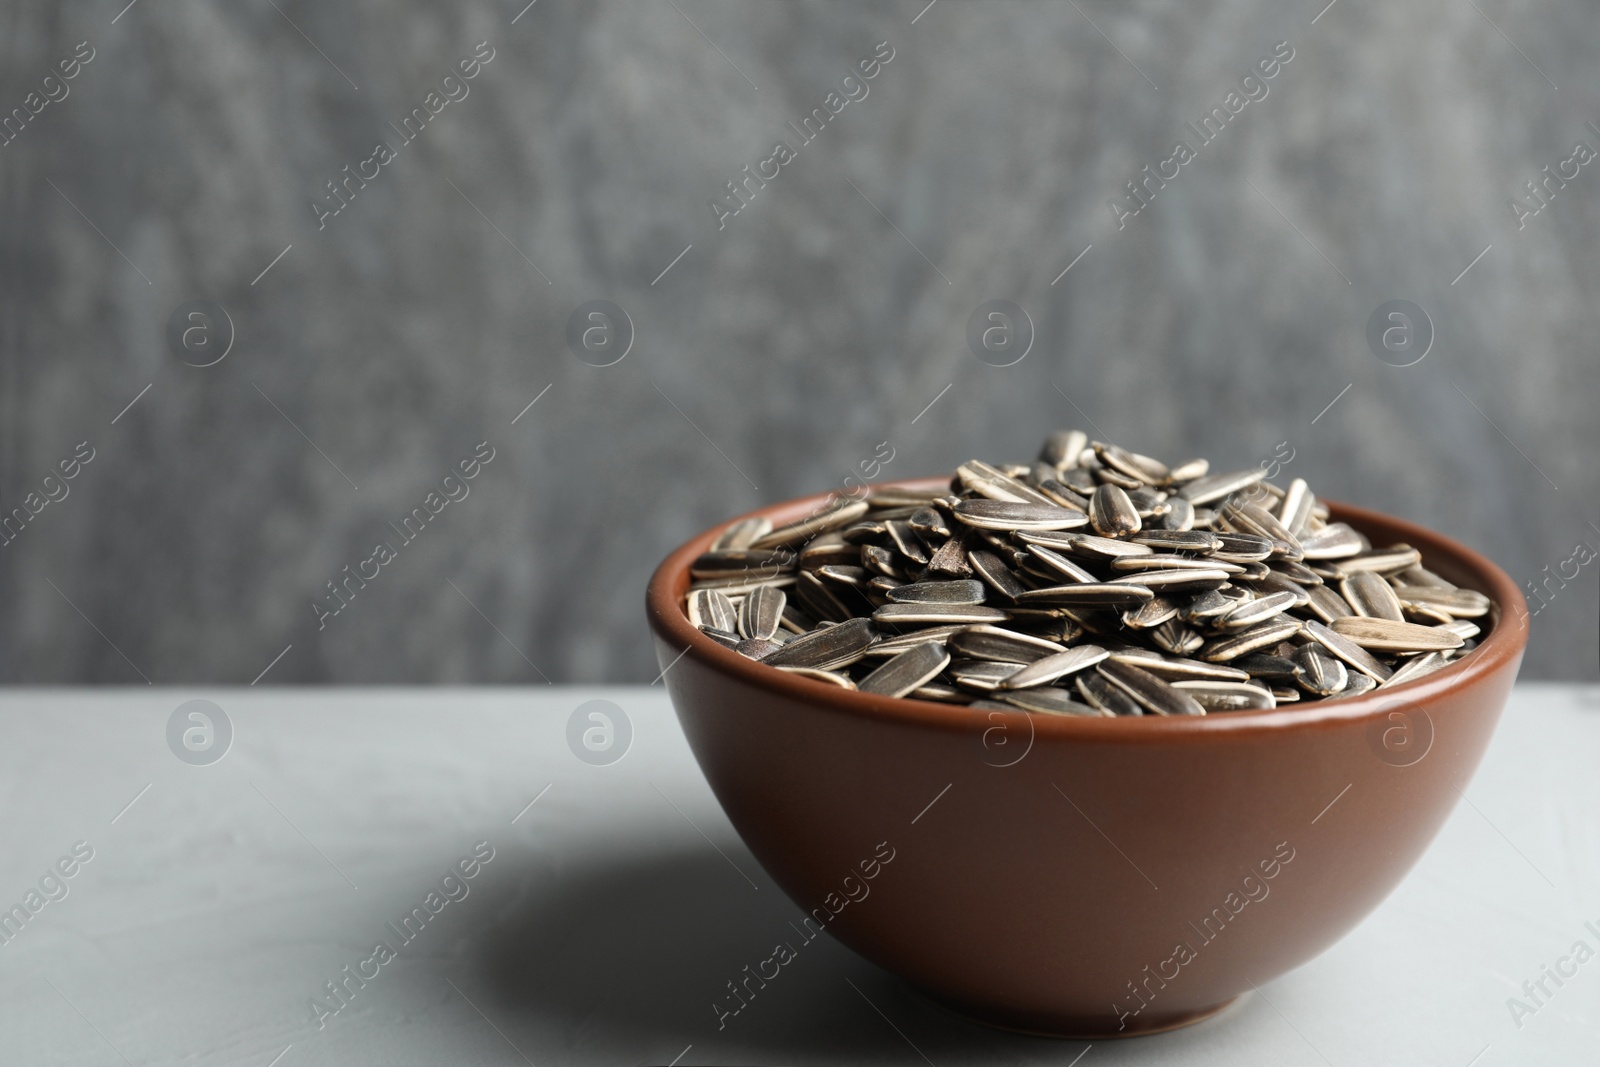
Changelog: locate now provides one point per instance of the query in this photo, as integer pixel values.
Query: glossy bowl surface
(1086, 877)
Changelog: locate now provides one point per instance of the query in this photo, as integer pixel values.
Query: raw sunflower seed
(887, 647)
(1320, 672)
(992, 642)
(1203, 542)
(915, 614)
(843, 681)
(1228, 696)
(742, 533)
(907, 671)
(1176, 667)
(1216, 486)
(1098, 691)
(958, 592)
(710, 608)
(1154, 695)
(1384, 561)
(761, 612)
(1061, 449)
(1386, 635)
(836, 646)
(1368, 593)
(1334, 541)
(1060, 566)
(1088, 594)
(1048, 700)
(1257, 637)
(1048, 669)
(1248, 613)
(842, 512)
(1347, 650)
(756, 648)
(1112, 514)
(983, 675)
(992, 569)
(1416, 667)
(1326, 604)
(1003, 515)
(725, 638)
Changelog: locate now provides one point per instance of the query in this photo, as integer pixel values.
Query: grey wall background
(778, 351)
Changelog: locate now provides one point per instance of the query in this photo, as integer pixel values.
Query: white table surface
(617, 906)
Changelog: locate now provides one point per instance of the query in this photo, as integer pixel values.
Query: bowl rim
(1504, 643)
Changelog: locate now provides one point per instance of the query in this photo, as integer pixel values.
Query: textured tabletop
(490, 890)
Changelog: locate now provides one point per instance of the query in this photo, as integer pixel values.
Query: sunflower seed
(1368, 593)
(958, 592)
(1178, 667)
(841, 512)
(1003, 515)
(1320, 672)
(1327, 605)
(1257, 637)
(1180, 515)
(992, 642)
(1334, 541)
(1060, 566)
(1203, 542)
(1088, 594)
(1111, 513)
(1416, 667)
(982, 675)
(708, 607)
(1177, 638)
(1347, 650)
(827, 649)
(1167, 561)
(1462, 603)
(1266, 666)
(843, 681)
(1048, 700)
(1062, 448)
(909, 670)
(1294, 511)
(725, 638)
(1228, 696)
(992, 569)
(914, 614)
(1247, 613)
(1386, 635)
(888, 647)
(742, 533)
(1150, 614)
(1177, 580)
(1098, 691)
(1384, 561)
(1153, 694)
(1216, 486)
(1243, 547)
(756, 648)
(761, 612)
(950, 560)
(1048, 669)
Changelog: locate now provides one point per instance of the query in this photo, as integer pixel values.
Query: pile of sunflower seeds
(1095, 581)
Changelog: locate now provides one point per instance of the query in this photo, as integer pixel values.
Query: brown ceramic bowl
(1075, 876)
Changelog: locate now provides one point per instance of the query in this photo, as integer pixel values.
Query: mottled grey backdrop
(779, 350)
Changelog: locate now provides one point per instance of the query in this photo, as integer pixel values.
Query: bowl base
(1086, 1028)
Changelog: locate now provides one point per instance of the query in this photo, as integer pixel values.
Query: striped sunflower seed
(1228, 696)
(1098, 691)
(1004, 515)
(1048, 700)
(1112, 514)
(992, 642)
(761, 612)
(1369, 593)
(827, 649)
(1048, 669)
(916, 614)
(1153, 694)
(1320, 672)
(957, 592)
(1386, 635)
(909, 670)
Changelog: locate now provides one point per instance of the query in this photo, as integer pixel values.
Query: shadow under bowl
(1086, 877)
